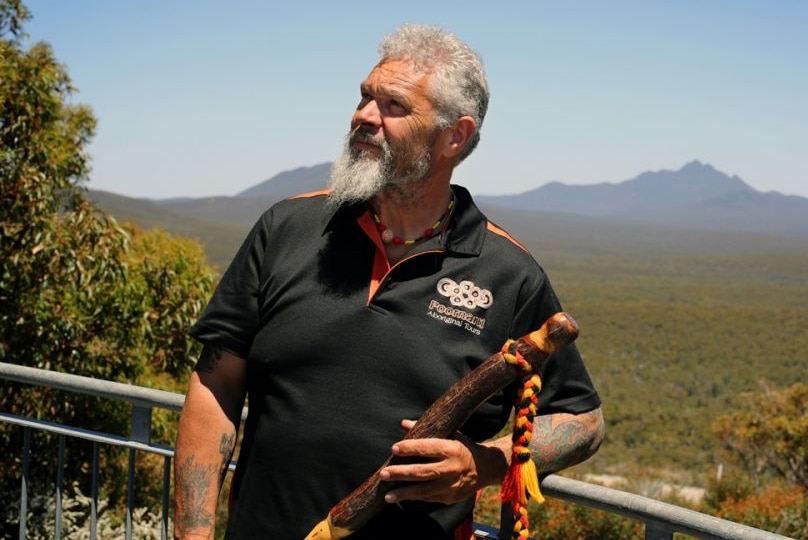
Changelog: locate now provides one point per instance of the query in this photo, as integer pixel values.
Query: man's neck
(410, 211)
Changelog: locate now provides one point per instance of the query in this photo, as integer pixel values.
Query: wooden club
(446, 415)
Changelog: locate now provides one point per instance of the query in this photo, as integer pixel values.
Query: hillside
(694, 208)
(220, 237)
(695, 197)
(673, 341)
(676, 322)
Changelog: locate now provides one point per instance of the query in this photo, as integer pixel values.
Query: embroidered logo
(465, 294)
(463, 297)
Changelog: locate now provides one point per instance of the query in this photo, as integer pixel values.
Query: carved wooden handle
(446, 415)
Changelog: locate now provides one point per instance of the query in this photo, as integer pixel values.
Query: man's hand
(448, 471)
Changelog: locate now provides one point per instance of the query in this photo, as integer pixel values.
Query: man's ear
(461, 132)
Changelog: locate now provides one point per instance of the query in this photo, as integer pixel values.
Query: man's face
(392, 134)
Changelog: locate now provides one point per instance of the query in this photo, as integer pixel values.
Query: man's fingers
(434, 459)
(426, 448)
(444, 471)
(419, 472)
(421, 491)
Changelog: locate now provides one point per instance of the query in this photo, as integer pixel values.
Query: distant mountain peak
(694, 181)
(696, 165)
(697, 194)
(293, 182)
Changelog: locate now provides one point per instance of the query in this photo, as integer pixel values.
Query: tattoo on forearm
(196, 484)
(226, 446)
(191, 512)
(208, 359)
(562, 440)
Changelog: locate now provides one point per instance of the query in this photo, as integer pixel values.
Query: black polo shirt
(340, 347)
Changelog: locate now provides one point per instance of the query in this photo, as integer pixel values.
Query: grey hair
(457, 87)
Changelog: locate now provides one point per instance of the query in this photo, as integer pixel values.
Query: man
(346, 313)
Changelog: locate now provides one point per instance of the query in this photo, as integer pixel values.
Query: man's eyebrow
(389, 93)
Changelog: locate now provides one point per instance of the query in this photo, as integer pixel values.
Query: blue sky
(209, 98)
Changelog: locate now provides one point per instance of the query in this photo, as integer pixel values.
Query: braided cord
(521, 482)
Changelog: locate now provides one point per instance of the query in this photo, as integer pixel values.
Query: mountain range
(696, 197)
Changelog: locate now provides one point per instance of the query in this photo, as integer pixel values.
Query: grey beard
(357, 179)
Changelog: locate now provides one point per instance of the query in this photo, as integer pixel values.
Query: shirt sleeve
(230, 319)
(566, 385)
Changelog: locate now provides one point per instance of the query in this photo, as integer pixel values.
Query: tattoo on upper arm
(208, 359)
(562, 440)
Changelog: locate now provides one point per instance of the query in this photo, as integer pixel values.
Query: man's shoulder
(507, 241)
(502, 244)
(480, 235)
(311, 200)
(303, 207)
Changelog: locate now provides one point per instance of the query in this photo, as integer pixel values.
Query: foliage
(78, 293)
(769, 435)
(674, 340)
(559, 519)
(12, 15)
(42, 137)
(775, 507)
(75, 525)
(173, 280)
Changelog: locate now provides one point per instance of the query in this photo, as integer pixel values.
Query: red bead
(397, 240)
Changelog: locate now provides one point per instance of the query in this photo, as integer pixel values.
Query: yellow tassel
(530, 480)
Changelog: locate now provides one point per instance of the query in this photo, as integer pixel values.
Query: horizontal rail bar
(95, 436)
(137, 395)
(663, 515)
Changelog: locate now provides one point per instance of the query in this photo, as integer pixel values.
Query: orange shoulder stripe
(496, 230)
(311, 194)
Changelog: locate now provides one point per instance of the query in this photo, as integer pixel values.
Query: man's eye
(397, 107)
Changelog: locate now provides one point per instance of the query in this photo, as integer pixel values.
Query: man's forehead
(407, 63)
(397, 74)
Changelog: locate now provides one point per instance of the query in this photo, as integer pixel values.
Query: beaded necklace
(389, 238)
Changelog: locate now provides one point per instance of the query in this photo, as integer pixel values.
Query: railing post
(94, 494)
(141, 424)
(140, 432)
(26, 468)
(657, 532)
(130, 495)
(164, 532)
(60, 476)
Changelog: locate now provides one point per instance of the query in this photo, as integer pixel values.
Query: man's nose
(368, 115)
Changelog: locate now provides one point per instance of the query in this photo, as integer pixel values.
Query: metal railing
(661, 520)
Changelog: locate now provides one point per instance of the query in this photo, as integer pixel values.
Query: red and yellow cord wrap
(521, 481)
